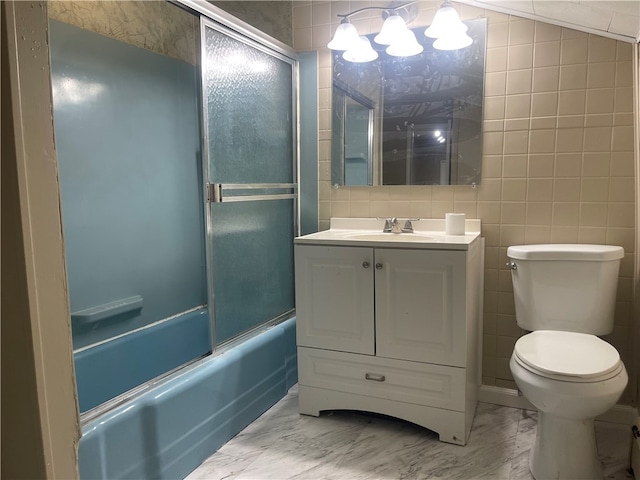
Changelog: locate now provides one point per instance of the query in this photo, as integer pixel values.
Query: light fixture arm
(355, 12)
(345, 16)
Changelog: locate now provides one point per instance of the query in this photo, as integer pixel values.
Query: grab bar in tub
(111, 309)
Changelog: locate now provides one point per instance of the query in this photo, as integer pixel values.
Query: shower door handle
(215, 192)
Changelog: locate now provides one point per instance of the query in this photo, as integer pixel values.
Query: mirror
(410, 120)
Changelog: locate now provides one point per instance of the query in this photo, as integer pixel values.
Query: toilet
(565, 296)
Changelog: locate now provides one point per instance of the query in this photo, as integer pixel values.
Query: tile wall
(557, 158)
(157, 26)
(271, 17)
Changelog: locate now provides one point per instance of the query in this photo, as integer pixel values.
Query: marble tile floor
(343, 445)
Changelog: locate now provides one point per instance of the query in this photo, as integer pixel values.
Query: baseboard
(503, 396)
(623, 414)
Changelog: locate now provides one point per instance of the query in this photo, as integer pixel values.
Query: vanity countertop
(367, 232)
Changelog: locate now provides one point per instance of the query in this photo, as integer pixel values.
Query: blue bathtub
(172, 428)
(114, 367)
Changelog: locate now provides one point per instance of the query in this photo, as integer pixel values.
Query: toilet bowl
(571, 378)
(565, 295)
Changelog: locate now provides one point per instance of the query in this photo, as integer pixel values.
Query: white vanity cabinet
(335, 294)
(391, 330)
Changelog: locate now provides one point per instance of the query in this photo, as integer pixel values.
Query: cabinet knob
(365, 264)
(378, 266)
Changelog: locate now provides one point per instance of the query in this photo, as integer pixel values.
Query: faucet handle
(392, 224)
(408, 226)
(395, 226)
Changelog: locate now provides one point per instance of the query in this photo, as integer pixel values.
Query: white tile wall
(557, 154)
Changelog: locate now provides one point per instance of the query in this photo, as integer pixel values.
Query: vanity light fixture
(361, 52)
(447, 29)
(405, 45)
(393, 26)
(446, 22)
(452, 42)
(346, 35)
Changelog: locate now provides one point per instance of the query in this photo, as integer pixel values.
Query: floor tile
(343, 445)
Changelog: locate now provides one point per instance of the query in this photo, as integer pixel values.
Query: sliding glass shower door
(139, 115)
(249, 123)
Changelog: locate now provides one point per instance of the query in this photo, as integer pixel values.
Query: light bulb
(392, 27)
(454, 41)
(405, 45)
(445, 22)
(346, 36)
(362, 52)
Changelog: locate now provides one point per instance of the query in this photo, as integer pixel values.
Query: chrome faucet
(392, 225)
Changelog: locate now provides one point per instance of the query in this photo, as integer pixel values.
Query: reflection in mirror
(355, 114)
(410, 120)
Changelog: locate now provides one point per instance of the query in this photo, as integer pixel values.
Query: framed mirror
(410, 120)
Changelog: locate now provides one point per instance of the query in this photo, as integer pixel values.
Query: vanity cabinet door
(334, 298)
(421, 305)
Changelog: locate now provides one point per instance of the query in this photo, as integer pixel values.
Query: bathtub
(111, 368)
(172, 428)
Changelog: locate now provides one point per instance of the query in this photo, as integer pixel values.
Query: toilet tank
(565, 287)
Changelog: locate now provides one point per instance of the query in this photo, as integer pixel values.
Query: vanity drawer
(410, 382)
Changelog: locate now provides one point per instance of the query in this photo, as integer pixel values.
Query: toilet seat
(567, 356)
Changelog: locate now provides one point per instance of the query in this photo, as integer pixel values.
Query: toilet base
(565, 449)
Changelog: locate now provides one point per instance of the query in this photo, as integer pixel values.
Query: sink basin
(388, 237)
(428, 233)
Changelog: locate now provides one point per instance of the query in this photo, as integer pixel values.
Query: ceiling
(618, 19)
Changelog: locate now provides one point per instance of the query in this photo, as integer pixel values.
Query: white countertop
(367, 232)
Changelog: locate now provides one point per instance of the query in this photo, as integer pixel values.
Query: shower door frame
(222, 22)
(204, 11)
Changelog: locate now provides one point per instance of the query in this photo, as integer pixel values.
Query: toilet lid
(567, 353)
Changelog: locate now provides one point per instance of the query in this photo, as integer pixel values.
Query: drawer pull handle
(374, 377)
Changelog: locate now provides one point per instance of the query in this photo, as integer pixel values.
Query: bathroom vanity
(391, 323)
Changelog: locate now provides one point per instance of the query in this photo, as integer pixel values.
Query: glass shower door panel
(252, 264)
(128, 142)
(249, 112)
(249, 117)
